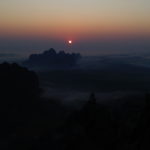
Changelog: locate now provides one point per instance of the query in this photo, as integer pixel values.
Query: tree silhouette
(51, 59)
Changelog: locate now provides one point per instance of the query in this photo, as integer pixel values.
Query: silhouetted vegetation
(19, 91)
(51, 59)
(29, 121)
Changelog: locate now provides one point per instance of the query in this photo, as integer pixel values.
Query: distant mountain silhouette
(51, 59)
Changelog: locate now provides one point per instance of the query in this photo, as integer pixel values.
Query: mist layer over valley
(108, 76)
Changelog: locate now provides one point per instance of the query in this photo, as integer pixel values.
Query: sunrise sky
(92, 25)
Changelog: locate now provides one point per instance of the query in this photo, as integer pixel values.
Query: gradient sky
(95, 26)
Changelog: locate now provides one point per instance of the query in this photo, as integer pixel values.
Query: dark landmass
(29, 121)
(50, 59)
(19, 89)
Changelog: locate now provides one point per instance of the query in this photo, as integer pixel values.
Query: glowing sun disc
(70, 42)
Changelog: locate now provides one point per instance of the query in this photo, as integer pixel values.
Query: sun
(70, 41)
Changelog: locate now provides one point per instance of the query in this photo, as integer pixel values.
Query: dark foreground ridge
(30, 122)
(51, 59)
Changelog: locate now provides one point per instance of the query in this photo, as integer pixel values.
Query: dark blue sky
(85, 47)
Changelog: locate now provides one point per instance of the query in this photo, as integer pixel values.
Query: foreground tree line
(29, 121)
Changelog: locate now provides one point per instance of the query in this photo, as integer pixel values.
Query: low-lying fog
(110, 77)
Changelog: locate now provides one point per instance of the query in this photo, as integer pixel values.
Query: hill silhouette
(19, 91)
(51, 59)
(28, 121)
